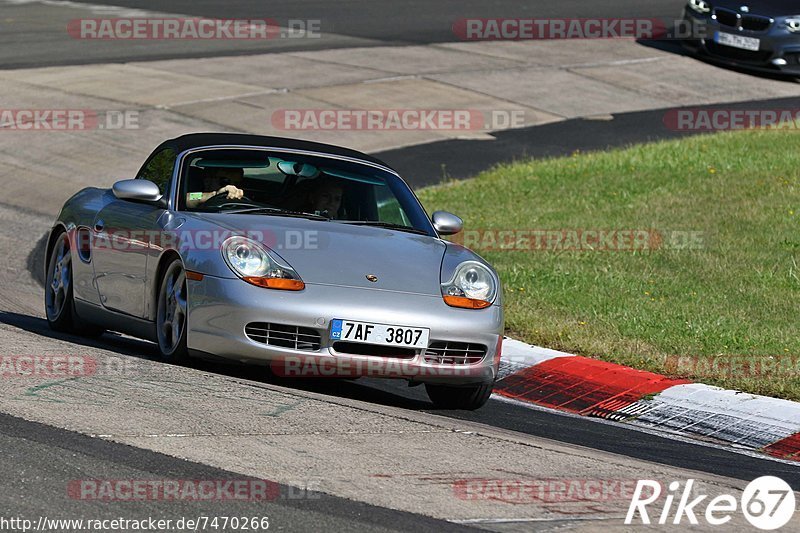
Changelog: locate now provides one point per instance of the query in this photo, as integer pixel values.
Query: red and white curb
(579, 385)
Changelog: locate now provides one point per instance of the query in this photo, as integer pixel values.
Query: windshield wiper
(277, 212)
(387, 225)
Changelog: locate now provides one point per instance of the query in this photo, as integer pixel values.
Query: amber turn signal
(282, 284)
(467, 303)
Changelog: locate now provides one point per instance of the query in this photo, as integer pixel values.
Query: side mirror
(137, 191)
(446, 223)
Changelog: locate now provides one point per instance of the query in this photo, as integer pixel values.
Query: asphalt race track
(460, 159)
(359, 22)
(29, 449)
(357, 455)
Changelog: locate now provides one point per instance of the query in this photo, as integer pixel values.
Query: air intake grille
(454, 353)
(375, 350)
(728, 17)
(736, 54)
(294, 337)
(756, 23)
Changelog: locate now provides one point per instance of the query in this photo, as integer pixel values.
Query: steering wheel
(221, 200)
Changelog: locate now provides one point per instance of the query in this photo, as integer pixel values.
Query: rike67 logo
(767, 503)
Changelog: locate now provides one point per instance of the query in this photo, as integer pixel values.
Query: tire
(469, 397)
(171, 315)
(59, 302)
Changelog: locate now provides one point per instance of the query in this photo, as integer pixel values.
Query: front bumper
(220, 309)
(779, 51)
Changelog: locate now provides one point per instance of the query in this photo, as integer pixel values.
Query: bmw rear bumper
(220, 310)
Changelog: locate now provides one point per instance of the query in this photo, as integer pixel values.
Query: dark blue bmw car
(760, 34)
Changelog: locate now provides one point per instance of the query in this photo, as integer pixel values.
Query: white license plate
(388, 335)
(738, 41)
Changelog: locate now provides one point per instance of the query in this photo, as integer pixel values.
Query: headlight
(473, 286)
(700, 6)
(793, 24)
(251, 261)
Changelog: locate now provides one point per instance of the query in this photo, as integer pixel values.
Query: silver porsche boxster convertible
(313, 259)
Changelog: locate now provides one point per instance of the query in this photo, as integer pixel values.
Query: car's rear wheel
(468, 397)
(59, 302)
(172, 314)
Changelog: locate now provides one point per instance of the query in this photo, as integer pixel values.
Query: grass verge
(709, 288)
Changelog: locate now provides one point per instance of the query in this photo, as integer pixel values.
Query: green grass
(736, 294)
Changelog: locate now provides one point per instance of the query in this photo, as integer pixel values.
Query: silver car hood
(343, 254)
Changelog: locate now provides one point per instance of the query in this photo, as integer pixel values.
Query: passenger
(325, 197)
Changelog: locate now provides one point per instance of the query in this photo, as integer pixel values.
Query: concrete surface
(242, 94)
(377, 454)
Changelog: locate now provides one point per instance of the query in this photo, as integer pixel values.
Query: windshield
(261, 182)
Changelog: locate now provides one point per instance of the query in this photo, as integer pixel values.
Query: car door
(124, 233)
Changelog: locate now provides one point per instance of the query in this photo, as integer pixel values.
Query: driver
(221, 181)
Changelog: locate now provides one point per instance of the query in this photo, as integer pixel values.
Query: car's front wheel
(467, 397)
(171, 318)
(59, 302)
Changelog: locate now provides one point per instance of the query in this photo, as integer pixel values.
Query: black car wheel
(59, 302)
(171, 320)
(468, 397)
